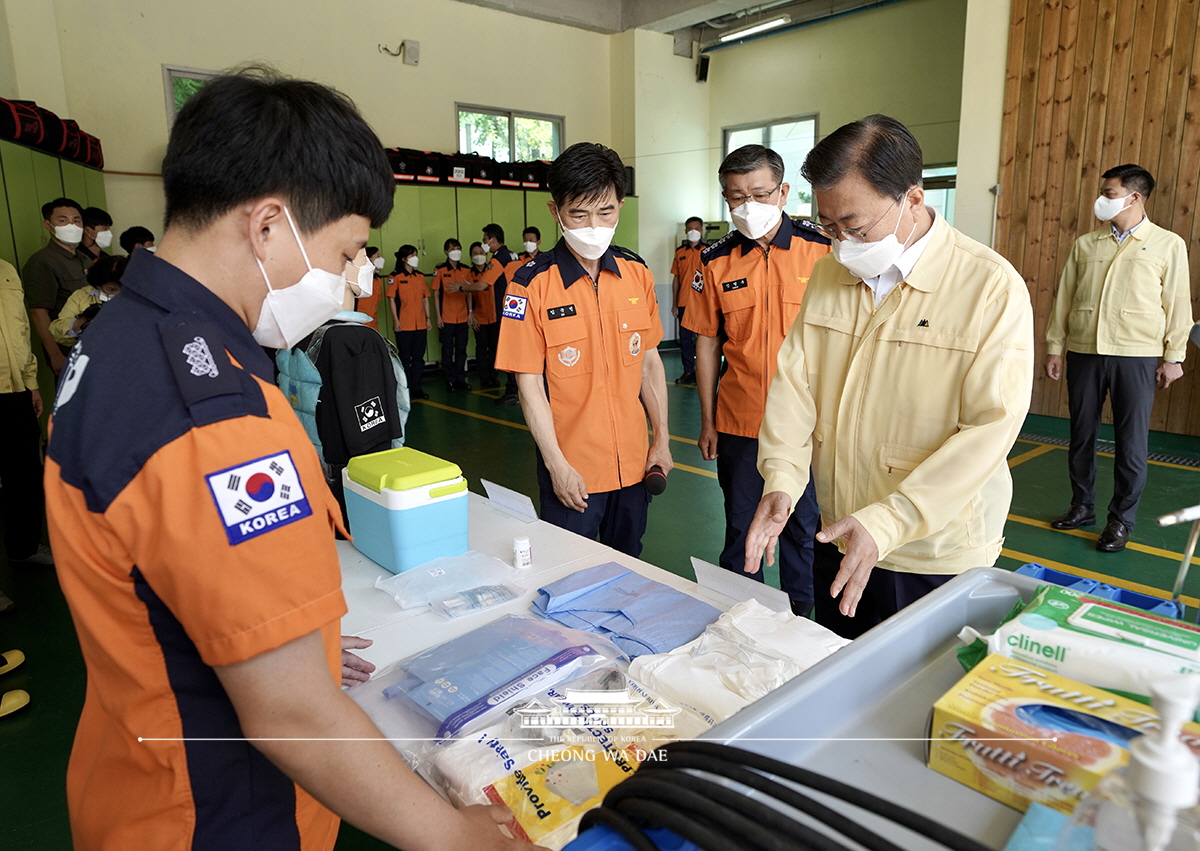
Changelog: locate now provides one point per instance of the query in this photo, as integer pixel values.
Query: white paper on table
(511, 501)
(739, 587)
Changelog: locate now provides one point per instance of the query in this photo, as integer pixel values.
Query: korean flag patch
(258, 496)
(514, 307)
(698, 282)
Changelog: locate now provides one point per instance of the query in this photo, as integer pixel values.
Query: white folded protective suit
(748, 652)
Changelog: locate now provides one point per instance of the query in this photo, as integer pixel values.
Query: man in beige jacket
(904, 380)
(1123, 305)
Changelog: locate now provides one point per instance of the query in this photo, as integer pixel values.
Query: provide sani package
(555, 755)
(442, 578)
(478, 599)
(465, 683)
(1090, 640)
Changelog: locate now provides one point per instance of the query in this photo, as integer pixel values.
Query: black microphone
(655, 481)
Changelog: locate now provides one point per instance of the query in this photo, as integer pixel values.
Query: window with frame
(791, 138)
(180, 84)
(939, 190)
(508, 136)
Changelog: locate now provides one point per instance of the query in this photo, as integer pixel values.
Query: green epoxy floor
(491, 442)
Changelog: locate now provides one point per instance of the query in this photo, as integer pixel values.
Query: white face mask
(455, 255)
(870, 259)
(104, 239)
(69, 234)
(103, 296)
(412, 262)
(151, 248)
(693, 236)
(289, 315)
(378, 263)
(530, 247)
(478, 259)
(1107, 209)
(588, 243)
(364, 282)
(755, 220)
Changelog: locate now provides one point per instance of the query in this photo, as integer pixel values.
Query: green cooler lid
(400, 469)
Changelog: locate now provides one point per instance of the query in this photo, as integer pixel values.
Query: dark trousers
(486, 337)
(22, 500)
(887, 592)
(687, 347)
(411, 347)
(1129, 384)
(737, 473)
(616, 518)
(454, 351)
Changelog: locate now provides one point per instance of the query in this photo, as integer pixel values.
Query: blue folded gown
(637, 614)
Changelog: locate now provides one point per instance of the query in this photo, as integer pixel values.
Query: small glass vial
(522, 554)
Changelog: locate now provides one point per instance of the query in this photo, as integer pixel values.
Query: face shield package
(1090, 640)
(466, 683)
(441, 579)
(555, 754)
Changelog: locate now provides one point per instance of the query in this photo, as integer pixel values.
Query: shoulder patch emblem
(370, 413)
(569, 356)
(698, 281)
(258, 496)
(635, 344)
(200, 359)
(515, 306)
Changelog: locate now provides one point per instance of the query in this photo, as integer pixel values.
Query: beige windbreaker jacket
(907, 412)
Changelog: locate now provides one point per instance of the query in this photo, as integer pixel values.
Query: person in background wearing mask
(450, 303)
(136, 237)
(1122, 312)
(52, 273)
(198, 556)
(408, 295)
(580, 329)
(481, 315)
(901, 388)
(493, 243)
(374, 297)
(685, 279)
(748, 295)
(97, 234)
(104, 282)
(532, 243)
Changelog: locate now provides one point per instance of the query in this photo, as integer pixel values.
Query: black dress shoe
(418, 394)
(1075, 517)
(686, 378)
(1114, 537)
(508, 399)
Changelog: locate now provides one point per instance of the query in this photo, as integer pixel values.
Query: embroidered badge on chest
(635, 344)
(569, 356)
(258, 496)
(200, 359)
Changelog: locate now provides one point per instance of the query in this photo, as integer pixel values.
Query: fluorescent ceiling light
(757, 28)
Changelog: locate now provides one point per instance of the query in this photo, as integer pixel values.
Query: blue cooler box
(406, 507)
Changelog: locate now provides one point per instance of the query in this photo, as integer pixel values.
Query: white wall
(112, 52)
(986, 42)
(904, 59)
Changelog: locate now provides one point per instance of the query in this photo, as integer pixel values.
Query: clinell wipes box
(406, 507)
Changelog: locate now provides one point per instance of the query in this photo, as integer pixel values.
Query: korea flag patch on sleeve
(514, 307)
(258, 496)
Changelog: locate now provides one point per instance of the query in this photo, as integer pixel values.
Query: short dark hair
(694, 219)
(586, 171)
(474, 245)
(494, 231)
(253, 133)
(1132, 177)
(106, 270)
(750, 158)
(372, 250)
(135, 235)
(451, 241)
(878, 147)
(50, 206)
(532, 229)
(95, 217)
